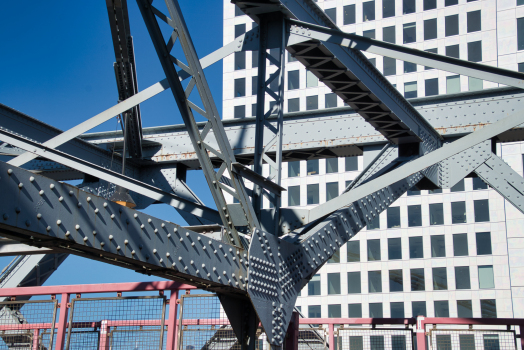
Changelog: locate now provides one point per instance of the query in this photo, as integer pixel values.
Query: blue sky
(56, 65)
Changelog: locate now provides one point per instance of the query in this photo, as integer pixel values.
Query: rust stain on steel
(474, 127)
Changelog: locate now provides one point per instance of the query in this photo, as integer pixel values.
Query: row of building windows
(488, 309)
(312, 166)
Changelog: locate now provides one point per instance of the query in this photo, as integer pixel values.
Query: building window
(353, 251)
(254, 85)
(394, 248)
(314, 311)
(464, 309)
(414, 215)
(291, 58)
(254, 59)
(408, 6)
(475, 51)
(368, 11)
(254, 110)
(430, 5)
(238, 11)
(312, 194)
(453, 51)
(520, 33)
(450, 2)
(397, 311)
(332, 13)
(486, 279)
(388, 8)
(388, 34)
(431, 86)
(483, 243)
(410, 32)
(479, 184)
(417, 280)
(520, 2)
(474, 21)
(413, 192)
(311, 79)
(375, 311)
(331, 190)
(430, 29)
(349, 14)
(440, 278)
(416, 250)
(240, 87)
(418, 308)
(354, 283)
(462, 280)
(334, 311)
(355, 310)
(351, 163)
(293, 80)
(435, 50)
(313, 286)
(240, 29)
(436, 214)
(410, 89)
(333, 283)
(458, 212)
(453, 84)
(460, 244)
(520, 67)
(240, 60)
(395, 281)
(312, 167)
(293, 196)
(311, 102)
(475, 84)
(458, 187)
(293, 169)
(374, 224)
(488, 308)
(409, 67)
(293, 105)
(390, 66)
(331, 165)
(481, 207)
(452, 25)
(330, 100)
(438, 190)
(393, 217)
(375, 281)
(441, 308)
(239, 112)
(335, 258)
(373, 249)
(369, 34)
(438, 246)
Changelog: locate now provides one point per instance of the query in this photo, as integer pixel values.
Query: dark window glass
(293, 80)
(441, 308)
(355, 310)
(458, 187)
(394, 248)
(488, 308)
(351, 163)
(418, 308)
(240, 29)
(481, 207)
(430, 4)
(436, 214)
(410, 89)
(349, 14)
(409, 67)
(393, 216)
(238, 11)
(240, 60)
(430, 29)
(374, 224)
(334, 311)
(474, 21)
(354, 283)
(458, 212)
(312, 167)
(330, 100)
(311, 102)
(410, 32)
(291, 58)
(331, 165)
(438, 190)
(491, 341)
(438, 246)
(369, 34)
(254, 85)
(333, 283)
(293, 169)
(483, 243)
(373, 249)
(368, 11)
(332, 13)
(331, 190)
(416, 250)
(335, 258)
(293, 196)
(390, 66)
(453, 51)
(375, 281)
(254, 110)
(450, 2)
(431, 86)
(452, 25)
(375, 311)
(413, 192)
(313, 285)
(417, 280)
(475, 51)
(397, 311)
(388, 34)
(388, 8)
(479, 184)
(520, 33)
(408, 6)
(467, 342)
(464, 309)
(293, 105)
(521, 66)
(353, 251)
(275, 53)
(414, 215)
(312, 194)
(314, 311)
(274, 86)
(440, 278)
(435, 50)
(486, 277)
(254, 59)
(462, 280)
(520, 2)
(240, 112)
(460, 244)
(395, 281)
(240, 87)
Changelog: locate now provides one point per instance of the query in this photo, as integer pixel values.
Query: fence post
(35, 339)
(292, 333)
(62, 322)
(421, 333)
(172, 327)
(331, 336)
(104, 333)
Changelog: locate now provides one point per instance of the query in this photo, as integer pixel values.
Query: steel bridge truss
(256, 260)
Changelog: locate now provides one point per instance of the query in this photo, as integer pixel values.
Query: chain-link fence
(374, 338)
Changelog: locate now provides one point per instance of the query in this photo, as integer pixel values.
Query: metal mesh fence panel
(471, 339)
(116, 323)
(363, 338)
(312, 338)
(20, 319)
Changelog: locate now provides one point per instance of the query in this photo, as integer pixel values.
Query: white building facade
(452, 253)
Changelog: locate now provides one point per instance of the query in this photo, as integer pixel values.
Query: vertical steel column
(292, 332)
(36, 333)
(331, 329)
(172, 327)
(421, 333)
(271, 27)
(62, 321)
(104, 333)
